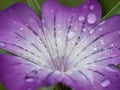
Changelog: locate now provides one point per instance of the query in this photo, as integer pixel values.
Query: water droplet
(21, 29)
(75, 28)
(112, 66)
(58, 39)
(30, 79)
(91, 7)
(52, 11)
(71, 34)
(118, 32)
(105, 83)
(59, 25)
(81, 18)
(31, 76)
(112, 45)
(95, 49)
(100, 29)
(73, 42)
(14, 22)
(101, 41)
(91, 18)
(91, 31)
(60, 32)
(84, 30)
(2, 45)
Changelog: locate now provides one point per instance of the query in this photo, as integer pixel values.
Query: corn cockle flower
(70, 45)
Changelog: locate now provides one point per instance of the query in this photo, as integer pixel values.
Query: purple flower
(68, 45)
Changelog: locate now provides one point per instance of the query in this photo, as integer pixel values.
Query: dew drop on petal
(52, 11)
(91, 7)
(73, 42)
(95, 49)
(29, 79)
(75, 28)
(21, 29)
(59, 31)
(112, 66)
(91, 18)
(118, 32)
(31, 76)
(84, 30)
(81, 18)
(91, 31)
(59, 25)
(2, 45)
(112, 45)
(14, 22)
(101, 41)
(71, 34)
(100, 29)
(105, 83)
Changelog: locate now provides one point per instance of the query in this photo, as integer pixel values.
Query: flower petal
(21, 33)
(64, 26)
(19, 74)
(97, 58)
(84, 12)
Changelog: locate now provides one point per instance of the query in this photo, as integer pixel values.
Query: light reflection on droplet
(101, 41)
(105, 83)
(21, 29)
(71, 35)
(81, 18)
(2, 45)
(91, 18)
(95, 49)
(59, 25)
(112, 45)
(118, 32)
(52, 11)
(100, 29)
(91, 7)
(91, 31)
(75, 28)
(31, 76)
(14, 22)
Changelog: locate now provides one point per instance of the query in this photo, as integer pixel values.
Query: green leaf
(35, 6)
(118, 66)
(47, 88)
(4, 51)
(1, 87)
(71, 3)
(115, 10)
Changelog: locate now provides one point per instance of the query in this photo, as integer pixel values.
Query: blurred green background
(107, 5)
